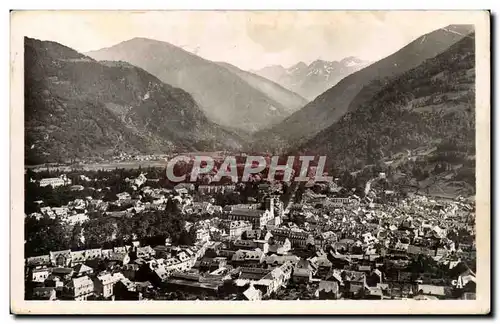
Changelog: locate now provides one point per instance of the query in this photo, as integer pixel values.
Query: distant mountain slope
(312, 80)
(76, 107)
(273, 90)
(330, 106)
(429, 106)
(224, 97)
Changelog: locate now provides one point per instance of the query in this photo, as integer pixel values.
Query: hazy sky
(246, 39)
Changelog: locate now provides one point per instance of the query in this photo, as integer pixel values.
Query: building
(44, 293)
(248, 257)
(77, 219)
(258, 218)
(236, 228)
(275, 279)
(82, 270)
(339, 202)
(80, 288)
(297, 239)
(60, 258)
(181, 262)
(78, 257)
(40, 274)
(92, 254)
(275, 205)
(252, 294)
(55, 182)
(328, 290)
(302, 272)
(211, 189)
(42, 260)
(103, 285)
(202, 234)
(145, 252)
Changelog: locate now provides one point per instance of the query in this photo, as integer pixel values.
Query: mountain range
(76, 107)
(146, 96)
(334, 103)
(432, 105)
(238, 100)
(312, 80)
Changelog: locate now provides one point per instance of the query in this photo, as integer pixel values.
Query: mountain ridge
(78, 108)
(226, 98)
(431, 105)
(331, 105)
(311, 80)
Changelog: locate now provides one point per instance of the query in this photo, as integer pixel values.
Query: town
(134, 235)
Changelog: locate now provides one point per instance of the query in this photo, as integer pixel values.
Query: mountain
(226, 98)
(330, 106)
(429, 109)
(311, 80)
(76, 107)
(271, 89)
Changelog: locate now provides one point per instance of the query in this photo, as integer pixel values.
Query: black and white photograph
(248, 157)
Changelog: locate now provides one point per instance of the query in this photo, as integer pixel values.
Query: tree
(75, 239)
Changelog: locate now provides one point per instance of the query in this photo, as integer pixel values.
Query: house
(275, 279)
(182, 188)
(374, 278)
(131, 270)
(62, 273)
(374, 293)
(252, 294)
(236, 228)
(328, 290)
(162, 251)
(145, 252)
(248, 257)
(82, 270)
(321, 264)
(202, 234)
(211, 189)
(44, 293)
(121, 249)
(212, 264)
(106, 253)
(125, 289)
(55, 182)
(258, 218)
(431, 290)
(201, 208)
(194, 283)
(42, 260)
(302, 272)
(120, 258)
(80, 289)
(40, 274)
(91, 254)
(77, 219)
(355, 283)
(103, 285)
(257, 234)
(78, 257)
(297, 239)
(55, 282)
(183, 261)
(123, 196)
(280, 247)
(244, 244)
(60, 258)
(277, 260)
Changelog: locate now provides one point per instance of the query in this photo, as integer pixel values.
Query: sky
(247, 39)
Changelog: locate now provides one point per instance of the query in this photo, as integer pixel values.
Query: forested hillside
(429, 107)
